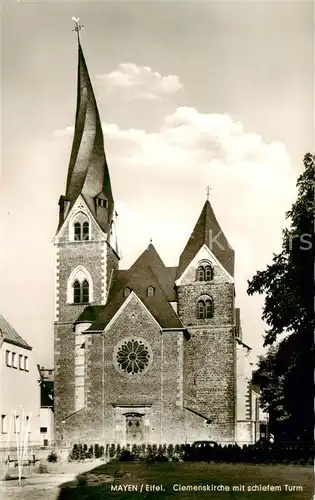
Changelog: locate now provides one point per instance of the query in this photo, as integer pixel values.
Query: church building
(149, 354)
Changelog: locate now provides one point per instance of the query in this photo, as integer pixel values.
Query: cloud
(67, 131)
(141, 82)
(252, 184)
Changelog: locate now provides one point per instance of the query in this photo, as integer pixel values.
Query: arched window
(77, 231)
(127, 292)
(80, 286)
(200, 273)
(204, 272)
(81, 292)
(201, 309)
(76, 292)
(205, 308)
(85, 292)
(208, 273)
(80, 229)
(150, 291)
(85, 228)
(208, 308)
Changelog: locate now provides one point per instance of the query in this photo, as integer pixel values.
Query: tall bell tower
(85, 247)
(205, 288)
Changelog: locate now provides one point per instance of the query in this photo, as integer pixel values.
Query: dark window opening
(150, 291)
(85, 291)
(208, 273)
(200, 273)
(76, 292)
(81, 232)
(77, 231)
(204, 273)
(102, 203)
(81, 292)
(8, 358)
(209, 309)
(43, 430)
(205, 309)
(85, 231)
(201, 309)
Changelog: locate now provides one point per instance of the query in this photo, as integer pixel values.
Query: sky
(190, 94)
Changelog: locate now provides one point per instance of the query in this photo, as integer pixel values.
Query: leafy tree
(286, 372)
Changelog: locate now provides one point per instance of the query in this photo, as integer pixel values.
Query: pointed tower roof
(207, 231)
(88, 173)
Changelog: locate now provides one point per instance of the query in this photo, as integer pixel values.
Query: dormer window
(127, 292)
(150, 291)
(101, 202)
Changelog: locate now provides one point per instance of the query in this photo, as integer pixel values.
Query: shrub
(81, 480)
(42, 468)
(112, 451)
(136, 450)
(126, 456)
(52, 457)
(170, 451)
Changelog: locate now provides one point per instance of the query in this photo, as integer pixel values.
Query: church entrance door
(134, 428)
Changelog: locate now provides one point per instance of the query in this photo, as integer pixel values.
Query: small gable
(207, 231)
(204, 268)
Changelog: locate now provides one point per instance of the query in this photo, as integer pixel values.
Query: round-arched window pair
(204, 272)
(205, 308)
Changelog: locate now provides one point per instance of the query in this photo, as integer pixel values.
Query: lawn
(135, 480)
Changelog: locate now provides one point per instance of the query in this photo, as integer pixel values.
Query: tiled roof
(207, 231)
(10, 335)
(148, 270)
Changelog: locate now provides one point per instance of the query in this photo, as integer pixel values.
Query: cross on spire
(208, 192)
(77, 25)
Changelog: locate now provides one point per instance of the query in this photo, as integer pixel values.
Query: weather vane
(208, 192)
(77, 25)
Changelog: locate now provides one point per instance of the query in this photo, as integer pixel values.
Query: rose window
(133, 356)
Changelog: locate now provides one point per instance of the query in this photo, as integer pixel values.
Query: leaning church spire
(88, 173)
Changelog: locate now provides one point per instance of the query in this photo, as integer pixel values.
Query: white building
(20, 394)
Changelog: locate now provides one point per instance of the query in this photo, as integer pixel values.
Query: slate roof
(207, 231)
(148, 270)
(8, 334)
(88, 171)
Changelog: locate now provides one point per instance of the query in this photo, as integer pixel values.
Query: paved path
(44, 486)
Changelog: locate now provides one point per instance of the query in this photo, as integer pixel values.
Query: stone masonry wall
(92, 255)
(210, 358)
(121, 389)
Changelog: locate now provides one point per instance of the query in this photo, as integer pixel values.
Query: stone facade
(148, 354)
(188, 391)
